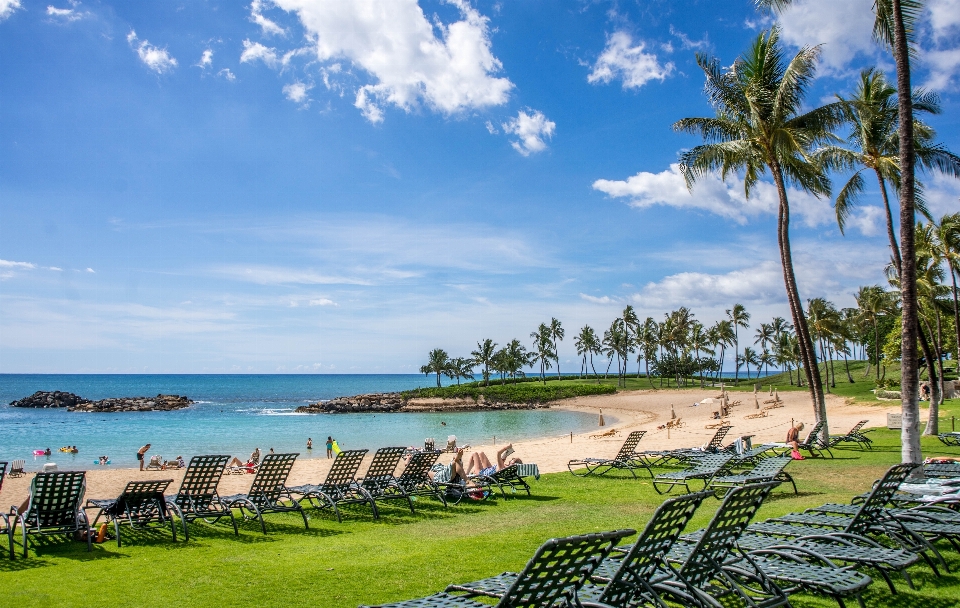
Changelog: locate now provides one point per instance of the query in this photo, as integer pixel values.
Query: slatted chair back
(856, 428)
(383, 465)
(142, 501)
(16, 467)
(55, 499)
(344, 469)
(942, 469)
(719, 538)
(769, 467)
(3, 473)
(199, 486)
(629, 447)
(640, 564)
(883, 491)
(558, 568)
(709, 464)
(418, 466)
(270, 482)
(813, 437)
(716, 443)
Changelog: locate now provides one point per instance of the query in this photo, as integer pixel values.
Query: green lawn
(404, 556)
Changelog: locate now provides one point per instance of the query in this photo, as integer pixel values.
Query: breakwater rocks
(394, 402)
(75, 403)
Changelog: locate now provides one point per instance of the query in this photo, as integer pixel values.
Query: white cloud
(713, 195)
(944, 17)
(323, 302)
(596, 300)
(492, 130)
(272, 275)
(942, 194)
(870, 220)
(621, 60)
(66, 14)
(844, 28)
(206, 59)
(91, 270)
(760, 283)
(266, 25)
(297, 92)
(55, 268)
(943, 66)
(226, 73)
(532, 129)
(449, 67)
(22, 265)
(687, 43)
(155, 58)
(7, 7)
(253, 51)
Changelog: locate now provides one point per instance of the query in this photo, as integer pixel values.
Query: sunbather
(253, 461)
(479, 464)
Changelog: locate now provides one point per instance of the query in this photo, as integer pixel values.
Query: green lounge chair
(855, 435)
(379, 480)
(950, 439)
(415, 479)
(197, 497)
(551, 578)
(54, 507)
(509, 477)
(4, 521)
(768, 469)
(625, 460)
(268, 491)
(340, 487)
(704, 469)
(141, 505)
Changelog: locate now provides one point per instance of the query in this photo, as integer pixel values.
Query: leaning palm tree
(556, 333)
(438, 362)
(759, 126)
(738, 317)
(947, 242)
(484, 356)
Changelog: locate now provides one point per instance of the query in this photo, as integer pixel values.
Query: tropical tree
(484, 356)
(759, 126)
(947, 242)
(438, 362)
(516, 358)
(700, 341)
(556, 333)
(587, 344)
(738, 317)
(872, 303)
(722, 336)
(460, 367)
(543, 348)
(646, 341)
(749, 356)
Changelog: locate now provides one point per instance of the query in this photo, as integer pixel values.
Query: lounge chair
(197, 497)
(551, 578)
(141, 505)
(54, 507)
(4, 521)
(340, 486)
(941, 469)
(855, 435)
(268, 491)
(155, 464)
(3, 473)
(625, 460)
(509, 477)
(626, 577)
(16, 468)
(684, 455)
(705, 469)
(951, 439)
(380, 481)
(415, 479)
(768, 469)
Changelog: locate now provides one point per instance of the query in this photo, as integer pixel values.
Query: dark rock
(375, 403)
(160, 403)
(46, 399)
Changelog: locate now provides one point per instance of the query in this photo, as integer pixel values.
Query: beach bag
(796, 455)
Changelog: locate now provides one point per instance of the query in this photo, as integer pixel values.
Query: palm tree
(823, 317)
(646, 341)
(516, 358)
(872, 303)
(759, 127)
(543, 348)
(764, 336)
(587, 344)
(739, 317)
(460, 367)
(484, 356)
(700, 341)
(556, 333)
(438, 362)
(947, 242)
(723, 337)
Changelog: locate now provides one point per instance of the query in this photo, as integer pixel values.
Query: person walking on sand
(329, 447)
(140, 454)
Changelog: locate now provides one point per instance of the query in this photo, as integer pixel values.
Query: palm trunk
(646, 368)
(833, 370)
(846, 363)
(876, 344)
(736, 354)
(595, 375)
(956, 307)
(933, 419)
(808, 357)
(891, 235)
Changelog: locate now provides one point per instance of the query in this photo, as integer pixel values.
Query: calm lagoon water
(236, 413)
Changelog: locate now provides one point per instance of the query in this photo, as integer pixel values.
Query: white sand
(632, 410)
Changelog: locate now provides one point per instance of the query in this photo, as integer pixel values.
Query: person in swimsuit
(140, 454)
(329, 447)
(309, 443)
(479, 464)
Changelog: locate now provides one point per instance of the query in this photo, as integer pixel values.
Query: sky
(339, 186)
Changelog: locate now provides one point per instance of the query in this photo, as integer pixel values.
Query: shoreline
(624, 412)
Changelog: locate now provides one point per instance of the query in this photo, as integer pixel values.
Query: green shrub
(522, 392)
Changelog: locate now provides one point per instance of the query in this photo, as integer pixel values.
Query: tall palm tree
(460, 368)
(647, 340)
(759, 127)
(438, 362)
(738, 317)
(556, 333)
(700, 341)
(543, 348)
(873, 302)
(587, 344)
(484, 356)
(947, 241)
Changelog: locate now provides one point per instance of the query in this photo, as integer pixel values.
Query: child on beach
(309, 443)
(329, 447)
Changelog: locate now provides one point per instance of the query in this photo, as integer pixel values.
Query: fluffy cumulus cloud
(448, 67)
(941, 56)
(870, 220)
(622, 59)
(845, 29)
(942, 194)
(7, 7)
(254, 51)
(297, 92)
(267, 26)
(206, 59)
(155, 58)
(64, 14)
(761, 283)
(713, 195)
(531, 131)
(598, 299)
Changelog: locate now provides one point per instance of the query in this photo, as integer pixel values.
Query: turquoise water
(236, 413)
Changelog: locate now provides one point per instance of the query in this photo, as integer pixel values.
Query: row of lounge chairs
(825, 550)
(56, 499)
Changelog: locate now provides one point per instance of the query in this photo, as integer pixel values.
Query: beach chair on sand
(379, 480)
(626, 577)
(54, 507)
(16, 468)
(156, 463)
(705, 469)
(855, 435)
(268, 491)
(551, 578)
(340, 486)
(415, 479)
(625, 460)
(141, 505)
(197, 497)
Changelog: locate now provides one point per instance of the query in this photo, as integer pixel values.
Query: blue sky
(341, 185)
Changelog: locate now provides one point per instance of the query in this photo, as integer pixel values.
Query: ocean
(234, 414)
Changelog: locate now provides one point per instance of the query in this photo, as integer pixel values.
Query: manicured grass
(405, 556)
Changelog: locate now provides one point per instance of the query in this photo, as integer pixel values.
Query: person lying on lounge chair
(479, 464)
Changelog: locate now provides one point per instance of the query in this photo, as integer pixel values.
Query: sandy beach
(624, 412)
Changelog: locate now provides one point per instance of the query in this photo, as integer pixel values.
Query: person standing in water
(309, 443)
(329, 447)
(140, 454)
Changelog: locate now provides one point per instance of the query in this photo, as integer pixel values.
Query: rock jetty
(395, 402)
(75, 403)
